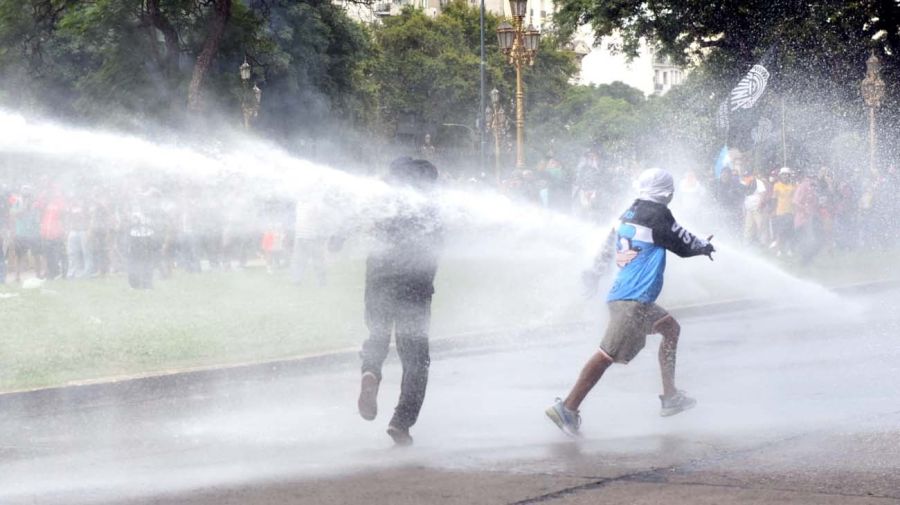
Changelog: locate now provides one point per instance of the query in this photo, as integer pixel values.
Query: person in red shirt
(806, 217)
(53, 234)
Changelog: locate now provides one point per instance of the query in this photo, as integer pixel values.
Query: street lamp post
(520, 45)
(481, 91)
(872, 89)
(250, 97)
(497, 124)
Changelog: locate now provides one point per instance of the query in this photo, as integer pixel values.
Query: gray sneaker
(566, 419)
(676, 403)
(368, 396)
(400, 435)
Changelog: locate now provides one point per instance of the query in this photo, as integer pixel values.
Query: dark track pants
(410, 321)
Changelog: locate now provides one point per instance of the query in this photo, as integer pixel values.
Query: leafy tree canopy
(819, 42)
(428, 68)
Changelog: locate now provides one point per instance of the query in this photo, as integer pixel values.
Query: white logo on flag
(751, 87)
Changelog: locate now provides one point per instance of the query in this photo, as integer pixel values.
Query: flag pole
(783, 142)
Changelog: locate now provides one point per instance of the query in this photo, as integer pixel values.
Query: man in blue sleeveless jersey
(639, 244)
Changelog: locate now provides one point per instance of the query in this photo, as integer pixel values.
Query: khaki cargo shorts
(629, 324)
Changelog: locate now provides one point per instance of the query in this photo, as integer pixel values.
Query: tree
(316, 66)
(585, 116)
(98, 59)
(821, 44)
(427, 71)
(738, 27)
(821, 47)
(127, 62)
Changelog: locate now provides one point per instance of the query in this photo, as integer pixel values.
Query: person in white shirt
(756, 228)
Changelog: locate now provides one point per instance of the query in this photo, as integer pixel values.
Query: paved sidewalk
(799, 470)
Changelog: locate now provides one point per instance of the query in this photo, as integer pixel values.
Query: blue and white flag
(723, 161)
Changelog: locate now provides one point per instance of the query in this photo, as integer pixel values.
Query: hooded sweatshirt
(644, 232)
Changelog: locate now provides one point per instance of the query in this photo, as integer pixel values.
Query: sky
(600, 66)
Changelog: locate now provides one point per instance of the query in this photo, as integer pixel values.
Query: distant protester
(100, 232)
(783, 222)
(142, 234)
(807, 222)
(314, 224)
(692, 192)
(639, 244)
(78, 247)
(53, 233)
(590, 192)
(400, 274)
(556, 193)
(756, 226)
(272, 245)
(730, 194)
(26, 231)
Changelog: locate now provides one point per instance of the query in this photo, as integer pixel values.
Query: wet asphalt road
(798, 404)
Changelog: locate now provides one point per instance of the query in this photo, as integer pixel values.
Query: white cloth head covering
(656, 185)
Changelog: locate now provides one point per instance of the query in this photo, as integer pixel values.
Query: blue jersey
(645, 231)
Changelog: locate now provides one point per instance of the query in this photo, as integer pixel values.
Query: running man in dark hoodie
(399, 285)
(639, 244)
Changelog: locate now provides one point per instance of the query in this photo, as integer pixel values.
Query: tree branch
(159, 21)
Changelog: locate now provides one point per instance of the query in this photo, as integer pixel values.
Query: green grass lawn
(83, 330)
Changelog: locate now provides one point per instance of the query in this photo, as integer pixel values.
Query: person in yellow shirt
(783, 220)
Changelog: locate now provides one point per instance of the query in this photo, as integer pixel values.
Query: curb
(867, 287)
(154, 385)
(140, 388)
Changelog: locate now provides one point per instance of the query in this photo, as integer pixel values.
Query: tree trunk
(161, 23)
(221, 14)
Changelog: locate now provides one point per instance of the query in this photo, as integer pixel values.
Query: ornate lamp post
(497, 124)
(520, 44)
(249, 102)
(872, 88)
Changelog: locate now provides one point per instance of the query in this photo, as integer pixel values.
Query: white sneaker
(567, 420)
(679, 402)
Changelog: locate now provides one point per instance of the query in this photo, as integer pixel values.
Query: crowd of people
(802, 212)
(588, 190)
(793, 212)
(52, 230)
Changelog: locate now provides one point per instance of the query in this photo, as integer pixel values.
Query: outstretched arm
(591, 277)
(605, 255)
(677, 239)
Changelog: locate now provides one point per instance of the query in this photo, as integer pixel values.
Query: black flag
(736, 116)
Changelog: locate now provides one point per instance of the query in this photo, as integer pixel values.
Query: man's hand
(590, 279)
(708, 249)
